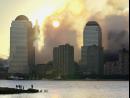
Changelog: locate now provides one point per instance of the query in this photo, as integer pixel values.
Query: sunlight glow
(40, 41)
(56, 23)
(76, 13)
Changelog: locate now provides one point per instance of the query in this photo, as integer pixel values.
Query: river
(71, 89)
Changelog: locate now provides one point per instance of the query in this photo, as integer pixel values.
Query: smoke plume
(112, 15)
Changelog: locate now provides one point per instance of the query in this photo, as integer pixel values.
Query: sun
(56, 23)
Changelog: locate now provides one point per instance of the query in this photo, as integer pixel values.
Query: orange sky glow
(77, 12)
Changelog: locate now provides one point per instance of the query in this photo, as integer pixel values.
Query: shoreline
(69, 80)
(7, 90)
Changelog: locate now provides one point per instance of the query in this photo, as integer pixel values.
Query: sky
(63, 21)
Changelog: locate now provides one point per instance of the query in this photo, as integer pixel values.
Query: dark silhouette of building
(124, 61)
(63, 59)
(3, 68)
(22, 52)
(92, 50)
(117, 63)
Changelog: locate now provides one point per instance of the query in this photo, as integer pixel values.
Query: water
(72, 89)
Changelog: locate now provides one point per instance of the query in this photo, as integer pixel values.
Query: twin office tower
(22, 51)
(92, 50)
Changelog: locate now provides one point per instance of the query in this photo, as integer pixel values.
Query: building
(3, 68)
(22, 55)
(112, 68)
(92, 50)
(44, 71)
(117, 64)
(63, 59)
(124, 61)
(111, 65)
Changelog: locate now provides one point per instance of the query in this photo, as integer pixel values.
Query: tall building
(22, 55)
(92, 51)
(63, 59)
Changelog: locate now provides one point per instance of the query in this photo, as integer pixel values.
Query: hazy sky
(65, 13)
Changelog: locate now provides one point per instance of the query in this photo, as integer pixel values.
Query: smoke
(58, 36)
(118, 4)
(115, 30)
(118, 40)
(112, 15)
(118, 32)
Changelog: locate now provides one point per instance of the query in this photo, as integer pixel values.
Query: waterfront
(71, 89)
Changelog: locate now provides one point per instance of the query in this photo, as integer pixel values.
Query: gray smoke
(115, 29)
(58, 36)
(115, 35)
(118, 32)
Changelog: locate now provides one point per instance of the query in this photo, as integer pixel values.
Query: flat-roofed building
(63, 59)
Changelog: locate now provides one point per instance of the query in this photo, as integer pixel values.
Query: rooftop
(92, 23)
(21, 17)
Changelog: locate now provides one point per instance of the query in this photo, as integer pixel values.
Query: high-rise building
(63, 59)
(22, 55)
(92, 51)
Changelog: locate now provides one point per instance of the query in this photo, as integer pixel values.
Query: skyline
(52, 16)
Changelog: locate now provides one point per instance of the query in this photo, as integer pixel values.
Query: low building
(117, 64)
(112, 68)
(3, 69)
(124, 61)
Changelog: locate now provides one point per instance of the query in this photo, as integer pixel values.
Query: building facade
(92, 50)
(118, 66)
(124, 61)
(22, 52)
(63, 59)
(112, 68)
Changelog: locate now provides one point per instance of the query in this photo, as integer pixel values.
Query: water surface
(71, 89)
